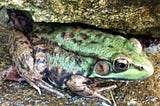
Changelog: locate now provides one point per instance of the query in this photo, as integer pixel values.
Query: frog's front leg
(86, 87)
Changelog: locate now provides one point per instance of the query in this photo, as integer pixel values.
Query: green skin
(89, 42)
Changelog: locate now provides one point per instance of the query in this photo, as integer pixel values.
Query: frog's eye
(121, 64)
(102, 68)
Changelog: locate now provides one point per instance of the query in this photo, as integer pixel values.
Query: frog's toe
(49, 88)
(37, 84)
(109, 88)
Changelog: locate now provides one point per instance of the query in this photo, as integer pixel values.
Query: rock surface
(136, 17)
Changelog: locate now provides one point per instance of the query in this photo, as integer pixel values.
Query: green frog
(35, 60)
(81, 69)
(121, 54)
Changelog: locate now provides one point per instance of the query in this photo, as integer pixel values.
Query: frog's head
(129, 64)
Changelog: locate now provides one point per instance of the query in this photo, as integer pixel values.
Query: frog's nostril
(141, 67)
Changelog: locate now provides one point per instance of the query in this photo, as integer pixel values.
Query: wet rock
(138, 17)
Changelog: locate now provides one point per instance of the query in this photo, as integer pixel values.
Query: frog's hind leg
(85, 87)
(11, 74)
(23, 57)
(29, 73)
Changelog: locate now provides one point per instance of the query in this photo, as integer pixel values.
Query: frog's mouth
(124, 72)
